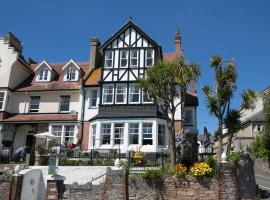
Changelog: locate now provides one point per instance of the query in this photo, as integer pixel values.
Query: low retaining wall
(170, 188)
(5, 187)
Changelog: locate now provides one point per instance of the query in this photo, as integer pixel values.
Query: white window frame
(70, 134)
(42, 73)
(93, 135)
(132, 93)
(145, 133)
(152, 57)
(71, 74)
(2, 100)
(134, 58)
(34, 110)
(121, 133)
(162, 133)
(131, 131)
(122, 58)
(59, 137)
(124, 93)
(107, 133)
(61, 102)
(103, 93)
(91, 98)
(107, 52)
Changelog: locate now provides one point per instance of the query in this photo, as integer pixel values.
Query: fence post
(91, 156)
(162, 160)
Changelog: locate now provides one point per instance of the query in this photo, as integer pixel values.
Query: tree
(219, 96)
(266, 133)
(248, 97)
(233, 124)
(166, 83)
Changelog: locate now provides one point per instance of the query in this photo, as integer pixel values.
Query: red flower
(69, 145)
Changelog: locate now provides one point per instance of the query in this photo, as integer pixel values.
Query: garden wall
(172, 189)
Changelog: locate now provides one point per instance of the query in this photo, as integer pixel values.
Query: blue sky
(60, 30)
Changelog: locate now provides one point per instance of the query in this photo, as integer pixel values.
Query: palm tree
(248, 96)
(233, 124)
(165, 82)
(218, 97)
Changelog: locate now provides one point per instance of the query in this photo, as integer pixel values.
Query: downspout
(82, 99)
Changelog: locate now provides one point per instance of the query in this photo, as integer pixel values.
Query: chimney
(177, 43)
(14, 42)
(95, 56)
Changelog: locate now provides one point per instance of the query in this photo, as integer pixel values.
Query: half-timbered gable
(126, 57)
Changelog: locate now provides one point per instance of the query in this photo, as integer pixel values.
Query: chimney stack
(177, 43)
(14, 42)
(95, 56)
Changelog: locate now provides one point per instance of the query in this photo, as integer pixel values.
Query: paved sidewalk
(264, 186)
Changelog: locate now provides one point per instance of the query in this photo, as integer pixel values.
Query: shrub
(152, 174)
(213, 162)
(234, 156)
(201, 169)
(179, 170)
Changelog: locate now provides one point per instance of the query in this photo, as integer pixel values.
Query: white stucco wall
(258, 107)
(49, 101)
(90, 112)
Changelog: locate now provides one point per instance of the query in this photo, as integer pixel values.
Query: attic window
(43, 75)
(71, 74)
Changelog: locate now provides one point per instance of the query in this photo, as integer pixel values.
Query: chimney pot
(177, 43)
(95, 56)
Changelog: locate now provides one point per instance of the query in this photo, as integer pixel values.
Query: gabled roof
(74, 63)
(43, 63)
(130, 23)
(93, 78)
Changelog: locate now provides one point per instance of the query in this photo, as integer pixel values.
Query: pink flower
(69, 145)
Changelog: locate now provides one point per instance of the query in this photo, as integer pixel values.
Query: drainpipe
(82, 96)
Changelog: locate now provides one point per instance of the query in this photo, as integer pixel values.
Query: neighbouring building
(252, 124)
(95, 104)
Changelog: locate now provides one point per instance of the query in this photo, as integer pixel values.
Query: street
(264, 186)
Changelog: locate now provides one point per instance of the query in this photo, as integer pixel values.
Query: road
(264, 185)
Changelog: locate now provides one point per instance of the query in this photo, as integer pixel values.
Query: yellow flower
(179, 170)
(201, 169)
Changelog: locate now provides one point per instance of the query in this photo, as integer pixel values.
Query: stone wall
(169, 188)
(88, 191)
(261, 167)
(5, 187)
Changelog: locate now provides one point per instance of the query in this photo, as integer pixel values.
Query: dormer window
(43, 75)
(71, 74)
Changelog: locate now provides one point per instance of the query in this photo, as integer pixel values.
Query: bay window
(133, 133)
(121, 91)
(188, 117)
(108, 94)
(147, 134)
(134, 94)
(106, 133)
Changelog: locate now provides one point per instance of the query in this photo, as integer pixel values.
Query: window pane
(34, 105)
(134, 94)
(94, 132)
(134, 133)
(149, 57)
(146, 98)
(93, 98)
(1, 99)
(108, 59)
(65, 100)
(134, 58)
(119, 133)
(69, 134)
(108, 94)
(57, 131)
(106, 133)
(124, 58)
(161, 135)
(147, 134)
(121, 93)
(188, 117)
